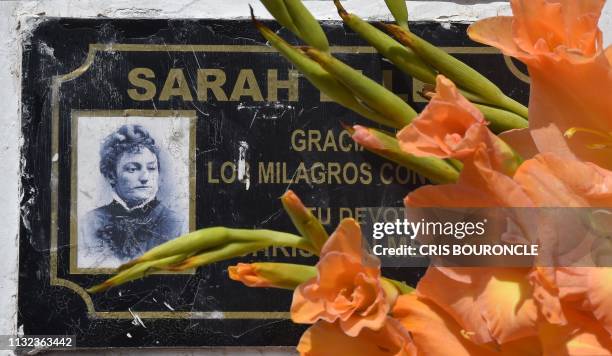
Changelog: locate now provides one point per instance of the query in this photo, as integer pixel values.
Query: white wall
(18, 17)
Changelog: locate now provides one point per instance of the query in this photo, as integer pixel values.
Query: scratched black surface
(58, 46)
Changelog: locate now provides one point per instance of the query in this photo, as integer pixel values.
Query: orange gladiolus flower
(435, 332)
(325, 338)
(570, 122)
(347, 289)
(571, 74)
(451, 127)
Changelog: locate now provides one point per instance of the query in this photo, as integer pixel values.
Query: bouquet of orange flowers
(485, 150)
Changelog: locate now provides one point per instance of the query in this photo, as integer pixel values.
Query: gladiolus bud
(296, 18)
(269, 274)
(397, 112)
(384, 145)
(402, 57)
(318, 76)
(307, 224)
(463, 75)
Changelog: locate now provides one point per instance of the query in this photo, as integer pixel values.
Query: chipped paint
(243, 173)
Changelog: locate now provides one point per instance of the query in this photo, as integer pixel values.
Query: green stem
(515, 107)
(214, 237)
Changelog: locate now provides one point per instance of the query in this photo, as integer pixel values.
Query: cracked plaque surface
(234, 126)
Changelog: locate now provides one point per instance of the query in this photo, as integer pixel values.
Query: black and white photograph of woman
(141, 207)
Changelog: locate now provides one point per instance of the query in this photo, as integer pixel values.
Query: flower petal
(507, 307)
(324, 338)
(480, 185)
(443, 129)
(433, 331)
(556, 106)
(555, 182)
(581, 336)
(346, 239)
(599, 294)
(496, 32)
(492, 304)
(545, 26)
(521, 141)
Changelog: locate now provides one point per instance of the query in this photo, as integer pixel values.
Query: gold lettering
(330, 142)
(176, 77)
(318, 173)
(301, 174)
(246, 76)
(298, 143)
(274, 84)
(232, 175)
(210, 175)
(333, 170)
(345, 213)
(350, 168)
(345, 142)
(383, 177)
(360, 214)
(138, 78)
(318, 212)
(366, 171)
(214, 85)
(405, 178)
(266, 174)
(314, 139)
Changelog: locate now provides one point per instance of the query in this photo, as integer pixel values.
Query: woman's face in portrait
(137, 176)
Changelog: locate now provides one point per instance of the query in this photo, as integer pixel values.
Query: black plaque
(236, 126)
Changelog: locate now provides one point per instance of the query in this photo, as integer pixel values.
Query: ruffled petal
(544, 26)
(346, 239)
(448, 127)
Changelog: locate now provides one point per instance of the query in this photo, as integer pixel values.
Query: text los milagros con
(456, 232)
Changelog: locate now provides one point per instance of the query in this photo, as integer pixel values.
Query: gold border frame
(74, 115)
(117, 47)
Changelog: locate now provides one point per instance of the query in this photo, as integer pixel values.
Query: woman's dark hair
(127, 138)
